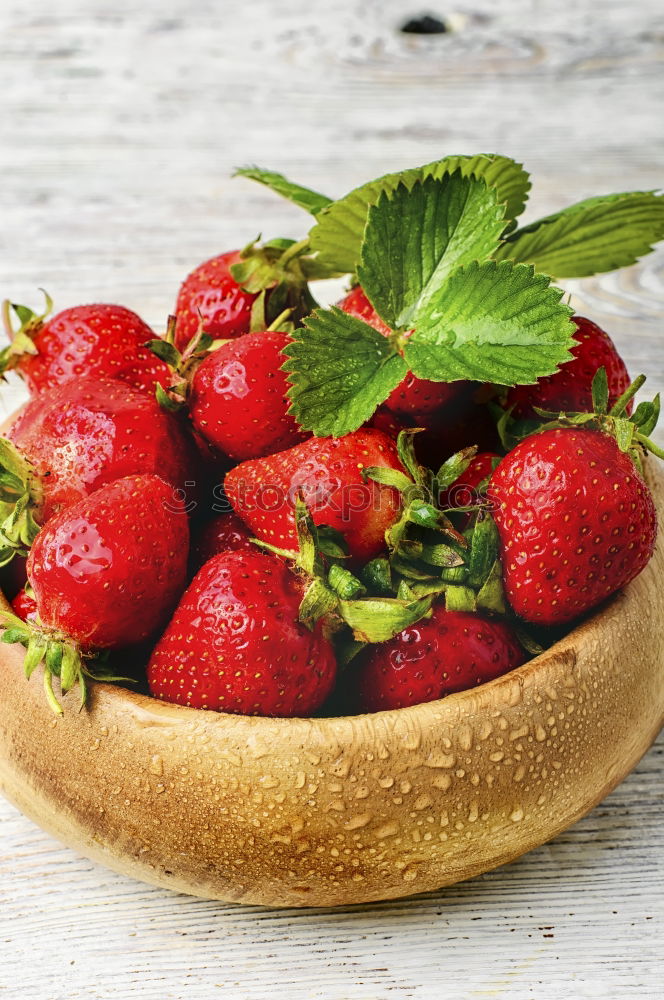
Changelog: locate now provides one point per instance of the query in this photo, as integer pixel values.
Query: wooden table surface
(120, 129)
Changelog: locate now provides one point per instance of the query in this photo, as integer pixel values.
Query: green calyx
(429, 553)
(631, 433)
(61, 658)
(278, 273)
(183, 364)
(352, 607)
(21, 325)
(20, 496)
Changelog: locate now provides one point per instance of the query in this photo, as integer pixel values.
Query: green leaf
(492, 323)
(337, 235)
(310, 201)
(592, 236)
(340, 370)
(415, 238)
(379, 619)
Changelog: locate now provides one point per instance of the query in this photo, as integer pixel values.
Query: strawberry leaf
(340, 370)
(491, 323)
(415, 238)
(596, 235)
(303, 197)
(337, 235)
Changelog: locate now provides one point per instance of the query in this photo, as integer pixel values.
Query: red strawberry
(211, 294)
(328, 471)
(569, 389)
(464, 490)
(451, 651)
(238, 398)
(235, 643)
(415, 400)
(25, 606)
(105, 341)
(224, 533)
(107, 571)
(86, 433)
(576, 523)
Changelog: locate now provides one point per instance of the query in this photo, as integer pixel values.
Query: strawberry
(448, 652)
(576, 522)
(79, 436)
(106, 341)
(223, 533)
(328, 471)
(570, 388)
(107, 571)
(25, 606)
(238, 398)
(415, 400)
(211, 295)
(235, 643)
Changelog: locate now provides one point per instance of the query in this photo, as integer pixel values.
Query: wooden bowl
(318, 812)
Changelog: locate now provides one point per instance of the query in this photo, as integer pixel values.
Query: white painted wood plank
(120, 128)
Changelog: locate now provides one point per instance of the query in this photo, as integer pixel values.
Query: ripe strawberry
(328, 471)
(576, 523)
(211, 294)
(106, 341)
(107, 571)
(569, 389)
(89, 432)
(235, 643)
(25, 606)
(238, 398)
(464, 490)
(448, 652)
(223, 533)
(414, 400)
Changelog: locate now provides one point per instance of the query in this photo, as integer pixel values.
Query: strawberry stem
(650, 445)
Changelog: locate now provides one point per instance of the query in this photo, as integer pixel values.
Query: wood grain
(120, 128)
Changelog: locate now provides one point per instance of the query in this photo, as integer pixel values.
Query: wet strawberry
(104, 341)
(89, 432)
(328, 471)
(107, 571)
(448, 652)
(211, 295)
(576, 523)
(238, 398)
(235, 643)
